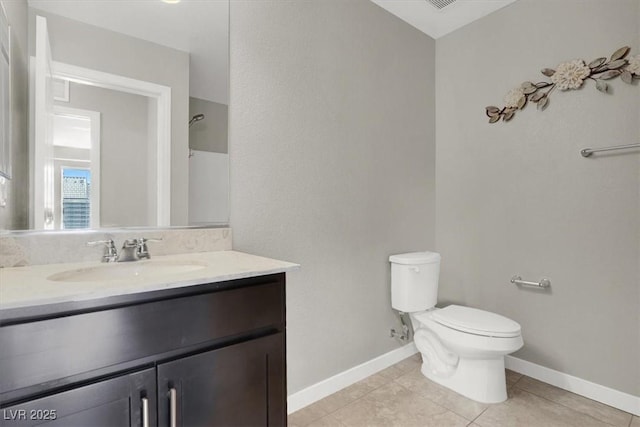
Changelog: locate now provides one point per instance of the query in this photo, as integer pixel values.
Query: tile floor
(401, 396)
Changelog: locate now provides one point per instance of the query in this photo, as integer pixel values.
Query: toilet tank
(414, 281)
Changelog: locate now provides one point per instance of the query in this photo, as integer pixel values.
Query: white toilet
(462, 348)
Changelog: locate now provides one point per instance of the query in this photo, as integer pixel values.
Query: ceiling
(435, 22)
(198, 27)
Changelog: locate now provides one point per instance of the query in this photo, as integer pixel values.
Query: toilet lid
(474, 321)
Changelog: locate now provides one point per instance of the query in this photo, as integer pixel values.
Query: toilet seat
(475, 321)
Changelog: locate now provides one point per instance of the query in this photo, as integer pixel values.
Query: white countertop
(30, 286)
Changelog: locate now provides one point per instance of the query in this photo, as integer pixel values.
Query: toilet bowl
(462, 348)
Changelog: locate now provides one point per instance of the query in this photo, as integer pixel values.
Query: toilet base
(482, 380)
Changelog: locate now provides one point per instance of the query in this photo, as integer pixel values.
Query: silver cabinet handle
(145, 412)
(173, 408)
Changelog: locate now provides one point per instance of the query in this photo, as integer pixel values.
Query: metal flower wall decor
(569, 75)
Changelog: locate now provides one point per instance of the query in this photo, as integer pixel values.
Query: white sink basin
(126, 271)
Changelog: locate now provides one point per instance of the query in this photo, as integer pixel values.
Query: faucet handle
(150, 239)
(108, 243)
(110, 251)
(142, 250)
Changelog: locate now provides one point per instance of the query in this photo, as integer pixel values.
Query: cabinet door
(127, 400)
(239, 385)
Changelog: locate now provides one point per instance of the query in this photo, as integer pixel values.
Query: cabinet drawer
(48, 351)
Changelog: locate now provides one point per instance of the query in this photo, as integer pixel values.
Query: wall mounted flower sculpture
(569, 75)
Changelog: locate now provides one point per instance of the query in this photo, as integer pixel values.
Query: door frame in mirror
(162, 96)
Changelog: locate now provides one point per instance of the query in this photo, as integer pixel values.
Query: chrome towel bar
(543, 283)
(586, 152)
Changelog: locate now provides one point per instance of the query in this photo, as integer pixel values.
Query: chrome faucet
(132, 249)
(110, 251)
(135, 249)
(128, 251)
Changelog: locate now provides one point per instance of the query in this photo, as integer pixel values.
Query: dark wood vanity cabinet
(206, 355)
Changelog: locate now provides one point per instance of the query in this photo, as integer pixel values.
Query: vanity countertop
(28, 291)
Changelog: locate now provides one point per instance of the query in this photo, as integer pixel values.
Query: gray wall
(15, 216)
(123, 150)
(210, 134)
(517, 198)
(92, 47)
(332, 166)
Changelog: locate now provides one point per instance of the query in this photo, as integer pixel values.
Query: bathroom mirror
(128, 114)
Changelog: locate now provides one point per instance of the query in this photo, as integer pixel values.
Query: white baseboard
(623, 401)
(344, 379)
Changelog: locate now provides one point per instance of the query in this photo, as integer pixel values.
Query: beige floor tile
(410, 363)
(394, 405)
(524, 409)
(392, 372)
(578, 403)
(307, 415)
(446, 419)
(328, 421)
(374, 381)
(512, 377)
(451, 400)
(402, 367)
(635, 422)
(349, 394)
(333, 402)
(509, 388)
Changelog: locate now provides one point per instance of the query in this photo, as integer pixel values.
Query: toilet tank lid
(412, 258)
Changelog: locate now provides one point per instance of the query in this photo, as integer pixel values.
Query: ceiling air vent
(440, 4)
